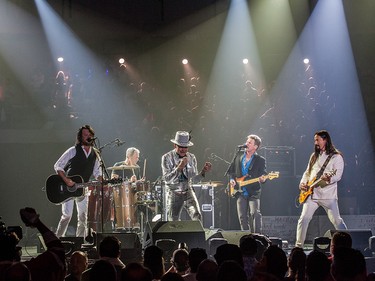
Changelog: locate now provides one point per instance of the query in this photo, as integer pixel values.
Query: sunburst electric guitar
(58, 192)
(243, 182)
(311, 185)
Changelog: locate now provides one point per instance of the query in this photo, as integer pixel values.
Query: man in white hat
(179, 169)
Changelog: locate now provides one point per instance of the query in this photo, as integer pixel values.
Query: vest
(80, 165)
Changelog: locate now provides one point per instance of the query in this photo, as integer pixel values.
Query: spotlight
(245, 61)
(306, 61)
(122, 62)
(60, 59)
(185, 61)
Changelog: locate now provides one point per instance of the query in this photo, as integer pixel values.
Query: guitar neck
(315, 183)
(92, 184)
(250, 181)
(87, 184)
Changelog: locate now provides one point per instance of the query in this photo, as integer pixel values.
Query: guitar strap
(321, 171)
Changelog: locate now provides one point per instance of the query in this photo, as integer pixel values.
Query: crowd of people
(253, 258)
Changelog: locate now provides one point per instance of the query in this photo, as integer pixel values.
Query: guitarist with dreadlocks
(318, 185)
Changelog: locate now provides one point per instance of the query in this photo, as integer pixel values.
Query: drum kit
(126, 206)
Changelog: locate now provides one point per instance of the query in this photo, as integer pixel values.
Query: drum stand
(142, 222)
(164, 216)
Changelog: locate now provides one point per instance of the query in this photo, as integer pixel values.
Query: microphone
(242, 146)
(212, 157)
(91, 139)
(119, 142)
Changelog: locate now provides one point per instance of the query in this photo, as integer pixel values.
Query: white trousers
(67, 212)
(309, 207)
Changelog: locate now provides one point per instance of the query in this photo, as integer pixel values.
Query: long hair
(79, 133)
(330, 148)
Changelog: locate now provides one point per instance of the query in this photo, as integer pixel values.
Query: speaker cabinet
(189, 232)
(131, 247)
(71, 244)
(232, 237)
(360, 237)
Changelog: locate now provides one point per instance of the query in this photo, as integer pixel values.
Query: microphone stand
(230, 168)
(105, 175)
(214, 157)
(165, 199)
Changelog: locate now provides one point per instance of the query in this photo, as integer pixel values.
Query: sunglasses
(181, 146)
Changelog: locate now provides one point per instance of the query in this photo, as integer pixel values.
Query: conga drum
(96, 209)
(119, 220)
(124, 206)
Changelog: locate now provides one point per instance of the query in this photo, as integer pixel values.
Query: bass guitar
(311, 185)
(242, 182)
(58, 192)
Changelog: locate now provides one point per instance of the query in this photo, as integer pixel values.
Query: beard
(87, 143)
(317, 148)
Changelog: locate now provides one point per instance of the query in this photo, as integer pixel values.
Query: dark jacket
(256, 169)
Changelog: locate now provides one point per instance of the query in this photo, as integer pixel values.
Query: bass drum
(124, 197)
(94, 213)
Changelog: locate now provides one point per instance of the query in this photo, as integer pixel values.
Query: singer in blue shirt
(248, 165)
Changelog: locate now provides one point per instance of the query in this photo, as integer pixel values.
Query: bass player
(325, 166)
(79, 160)
(248, 164)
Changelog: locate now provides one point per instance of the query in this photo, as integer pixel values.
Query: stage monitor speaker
(214, 243)
(322, 244)
(71, 244)
(360, 237)
(131, 248)
(232, 237)
(372, 243)
(189, 232)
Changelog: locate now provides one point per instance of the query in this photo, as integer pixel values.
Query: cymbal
(122, 167)
(213, 183)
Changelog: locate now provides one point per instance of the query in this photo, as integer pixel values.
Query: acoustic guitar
(58, 192)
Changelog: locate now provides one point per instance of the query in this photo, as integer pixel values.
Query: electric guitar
(58, 192)
(242, 182)
(311, 185)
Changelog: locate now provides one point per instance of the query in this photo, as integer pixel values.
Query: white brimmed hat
(182, 138)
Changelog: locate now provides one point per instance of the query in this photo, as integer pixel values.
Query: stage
(280, 229)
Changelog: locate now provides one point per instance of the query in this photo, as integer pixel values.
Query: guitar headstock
(273, 175)
(332, 173)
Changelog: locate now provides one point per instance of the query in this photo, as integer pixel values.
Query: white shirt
(69, 154)
(329, 191)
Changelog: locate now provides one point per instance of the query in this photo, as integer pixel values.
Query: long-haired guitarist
(79, 160)
(327, 162)
(248, 164)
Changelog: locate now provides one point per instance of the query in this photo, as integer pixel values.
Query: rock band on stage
(126, 201)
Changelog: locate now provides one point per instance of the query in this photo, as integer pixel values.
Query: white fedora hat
(182, 138)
